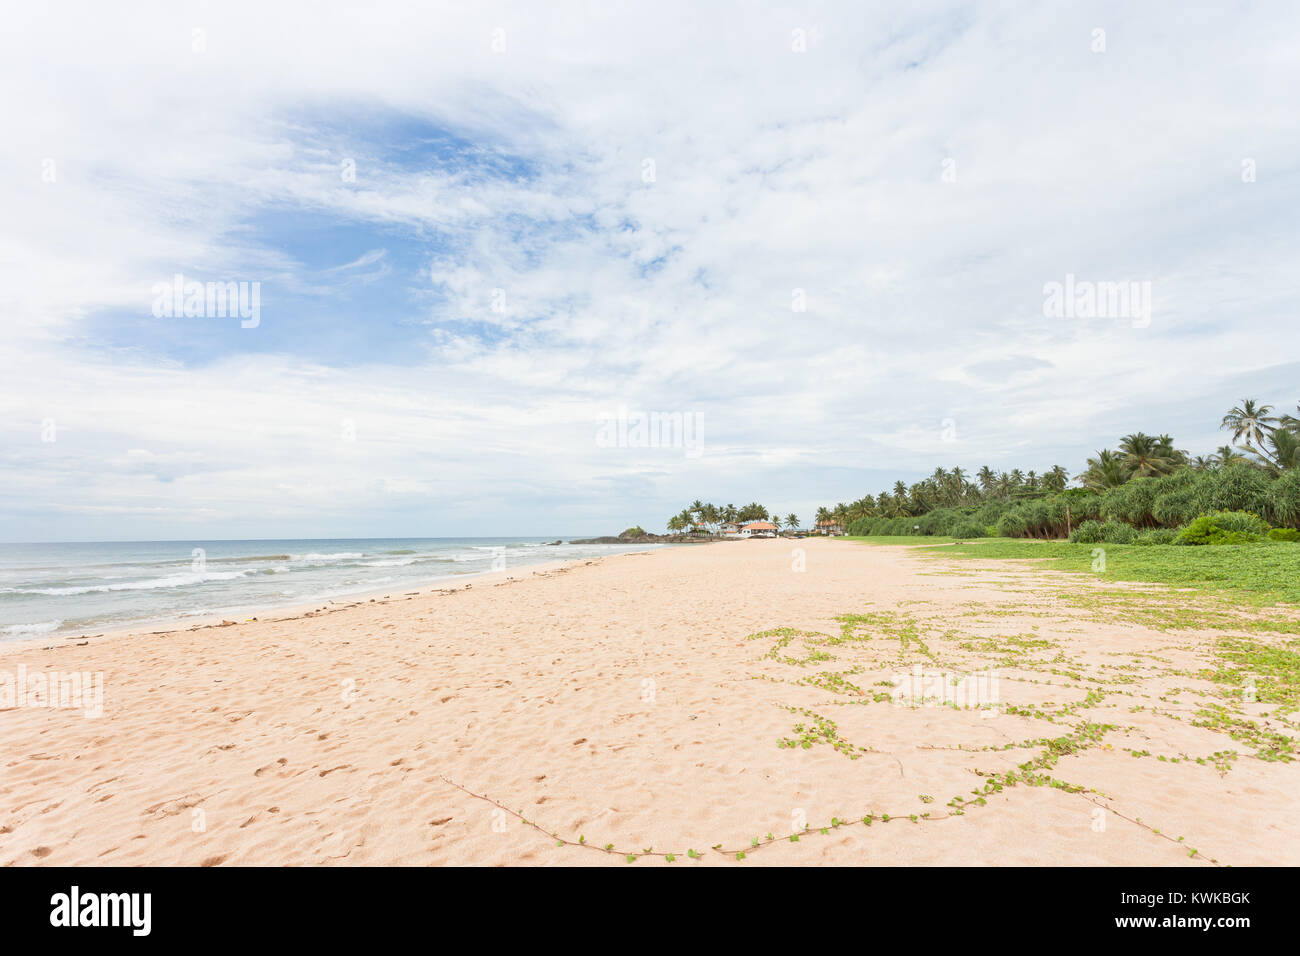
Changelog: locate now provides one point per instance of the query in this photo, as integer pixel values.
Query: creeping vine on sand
(1241, 670)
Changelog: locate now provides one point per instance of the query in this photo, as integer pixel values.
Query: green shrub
(1178, 496)
(1131, 502)
(968, 529)
(883, 526)
(1284, 534)
(940, 521)
(1238, 487)
(1089, 532)
(989, 512)
(1117, 532)
(1156, 536)
(1284, 499)
(1242, 521)
(1083, 504)
(1223, 527)
(1011, 525)
(1038, 519)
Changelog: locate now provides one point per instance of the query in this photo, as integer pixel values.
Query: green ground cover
(1264, 573)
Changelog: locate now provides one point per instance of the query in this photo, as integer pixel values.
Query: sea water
(75, 588)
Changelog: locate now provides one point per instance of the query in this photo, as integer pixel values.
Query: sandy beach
(628, 702)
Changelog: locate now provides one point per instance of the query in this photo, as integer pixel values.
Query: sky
(479, 233)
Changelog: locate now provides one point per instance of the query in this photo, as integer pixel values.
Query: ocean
(74, 588)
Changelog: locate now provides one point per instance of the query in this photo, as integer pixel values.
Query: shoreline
(290, 612)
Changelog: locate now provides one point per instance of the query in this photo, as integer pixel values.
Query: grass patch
(1257, 573)
(914, 540)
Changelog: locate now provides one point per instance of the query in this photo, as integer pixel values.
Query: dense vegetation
(1146, 492)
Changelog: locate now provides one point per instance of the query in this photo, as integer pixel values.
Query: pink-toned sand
(620, 701)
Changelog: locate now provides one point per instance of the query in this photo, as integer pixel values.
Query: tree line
(708, 518)
(1261, 441)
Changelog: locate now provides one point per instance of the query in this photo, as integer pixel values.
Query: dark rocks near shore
(646, 538)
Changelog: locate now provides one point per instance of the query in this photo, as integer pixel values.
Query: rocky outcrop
(643, 539)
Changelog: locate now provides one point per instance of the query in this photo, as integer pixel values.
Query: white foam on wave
(171, 581)
(42, 627)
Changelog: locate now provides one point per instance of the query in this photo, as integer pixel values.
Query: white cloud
(775, 171)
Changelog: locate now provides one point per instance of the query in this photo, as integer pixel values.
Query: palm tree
(675, 524)
(1105, 471)
(1285, 449)
(986, 476)
(1054, 481)
(901, 504)
(1146, 456)
(1177, 454)
(1203, 463)
(710, 516)
(792, 521)
(1250, 421)
(1227, 455)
